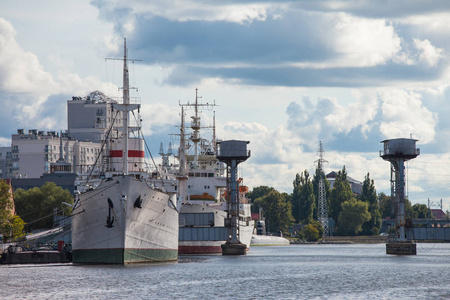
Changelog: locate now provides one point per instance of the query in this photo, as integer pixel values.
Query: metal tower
(397, 151)
(322, 210)
(232, 153)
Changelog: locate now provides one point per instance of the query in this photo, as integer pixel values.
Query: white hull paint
(149, 233)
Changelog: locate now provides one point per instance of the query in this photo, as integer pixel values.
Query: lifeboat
(204, 196)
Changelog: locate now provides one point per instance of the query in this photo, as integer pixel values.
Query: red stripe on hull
(199, 249)
(131, 153)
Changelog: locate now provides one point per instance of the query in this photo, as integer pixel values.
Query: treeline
(34, 209)
(349, 213)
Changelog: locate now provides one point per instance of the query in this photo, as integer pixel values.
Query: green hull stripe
(123, 256)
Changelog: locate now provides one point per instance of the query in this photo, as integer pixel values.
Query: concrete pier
(401, 248)
(234, 249)
(36, 257)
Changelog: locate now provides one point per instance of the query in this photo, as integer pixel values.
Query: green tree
(11, 226)
(311, 233)
(13, 229)
(257, 193)
(295, 199)
(369, 195)
(36, 205)
(277, 212)
(353, 215)
(303, 200)
(340, 193)
(420, 211)
(387, 206)
(6, 205)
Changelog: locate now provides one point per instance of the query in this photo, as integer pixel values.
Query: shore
(376, 239)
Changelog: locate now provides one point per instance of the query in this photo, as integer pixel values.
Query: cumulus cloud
(158, 115)
(404, 114)
(427, 52)
(31, 95)
(361, 42)
(272, 43)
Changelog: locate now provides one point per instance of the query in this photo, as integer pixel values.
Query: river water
(291, 272)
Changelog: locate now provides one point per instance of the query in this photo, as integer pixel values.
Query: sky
(284, 74)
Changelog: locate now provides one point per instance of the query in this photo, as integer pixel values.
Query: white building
(34, 151)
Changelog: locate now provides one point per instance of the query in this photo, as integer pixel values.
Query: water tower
(232, 153)
(397, 151)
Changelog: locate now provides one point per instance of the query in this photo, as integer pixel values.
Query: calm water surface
(290, 272)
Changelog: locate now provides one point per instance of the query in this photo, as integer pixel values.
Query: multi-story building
(5, 162)
(89, 118)
(35, 151)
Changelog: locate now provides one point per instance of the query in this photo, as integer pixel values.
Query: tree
(11, 226)
(340, 193)
(277, 212)
(36, 205)
(256, 193)
(303, 199)
(6, 205)
(13, 229)
(311, 233)
(295, 200)
(420, 211)
(387, 206)
(352, 216)
(369, 195)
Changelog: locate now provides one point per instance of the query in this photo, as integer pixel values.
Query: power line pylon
(322, 212)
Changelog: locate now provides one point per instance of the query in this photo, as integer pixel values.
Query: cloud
(284, 43)
(428, 53)
(20, 71)
(405, 115)
(31, 96)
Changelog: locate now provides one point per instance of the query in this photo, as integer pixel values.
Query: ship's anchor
(138, 202)
(109, 219)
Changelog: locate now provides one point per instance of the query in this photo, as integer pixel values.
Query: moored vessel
(204, 220)
(119, 216)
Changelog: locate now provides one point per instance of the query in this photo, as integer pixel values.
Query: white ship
(204, 209)
(119, 217)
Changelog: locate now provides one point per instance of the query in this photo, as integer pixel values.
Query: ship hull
(204, 231)
(124, 221)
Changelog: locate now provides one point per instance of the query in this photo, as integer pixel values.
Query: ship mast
(126, 102)
(126, 106)
(182, 178)
(195, 125)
